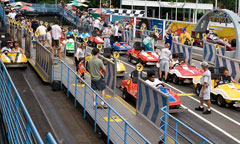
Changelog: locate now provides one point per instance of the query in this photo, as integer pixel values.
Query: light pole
(176, 11)
(159, 15)
(100, 6)
(145, 8)
(196, 10)
(216, 3)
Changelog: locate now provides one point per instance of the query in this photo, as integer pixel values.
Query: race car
(70, 45)
(213, 38)
(181, 72)
(121, 69)
(138, 54)
(129, 87)
(222, 94)
(94, 41)
(122, 47)
(13, 59)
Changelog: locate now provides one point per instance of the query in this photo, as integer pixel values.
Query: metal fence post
(53, 71)
(166, 124)
(95, 115)
(115, 76)
(85, 95)
(75, 99)
(68, 84)
(125, 134)
(108, 128)
(61, 74)
(176, 131)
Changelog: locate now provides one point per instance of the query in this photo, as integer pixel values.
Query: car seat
(138, 46)
(181, 57)
(134, 76)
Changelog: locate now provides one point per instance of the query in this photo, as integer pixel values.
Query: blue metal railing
(122, 132)
(16, 119)
(174, 130)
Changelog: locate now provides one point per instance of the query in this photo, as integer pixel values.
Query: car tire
(213, 98)
(141, 62)
(129, 58)
(125, 94)
(198, 89)
(175, 79)
(220, 101)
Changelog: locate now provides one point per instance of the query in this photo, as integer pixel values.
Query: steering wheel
(5, 51)
(176, 64)
(159, 85)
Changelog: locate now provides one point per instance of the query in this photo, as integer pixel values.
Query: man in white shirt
(205, 92)
(107, 32)
(96, 23)
(56, 35)
(165, 57)
(116, 34)
(12, 14)
(152, 80)
(42, 30)
(6, 49)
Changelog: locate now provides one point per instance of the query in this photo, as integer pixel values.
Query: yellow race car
(14, 59)
(221, 93)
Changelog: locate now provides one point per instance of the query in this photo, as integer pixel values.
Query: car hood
(189, 70)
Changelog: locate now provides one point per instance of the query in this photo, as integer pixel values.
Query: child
(174, 60)
(81, 70)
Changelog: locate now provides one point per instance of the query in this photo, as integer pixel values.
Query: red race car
(181, 72)
(213, 38)
(129, 87)
(94, 41)
(140, 56)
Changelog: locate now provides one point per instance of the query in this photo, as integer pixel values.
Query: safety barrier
(210, 50)
(16, 119)
(43, 61)
(231, 64)
(117, 132)
(127, 35)
(28, 44)
(150, 101)
(185, 49)
(176, 129)
(19, 35)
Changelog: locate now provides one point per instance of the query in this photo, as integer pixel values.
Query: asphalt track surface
(221, 127)
(52, 111)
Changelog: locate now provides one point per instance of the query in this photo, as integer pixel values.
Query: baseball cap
(204, 63)
(184, 29)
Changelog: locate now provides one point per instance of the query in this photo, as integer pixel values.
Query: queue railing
(178, 131)
(116, 131)
(43, 61)
(18, 124)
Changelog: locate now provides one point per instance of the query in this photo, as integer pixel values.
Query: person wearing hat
(206, 89)
(185, 37)
(107, 32)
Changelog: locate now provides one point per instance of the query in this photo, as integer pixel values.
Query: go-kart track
(138, 115)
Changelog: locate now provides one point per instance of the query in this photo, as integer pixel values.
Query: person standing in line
(80, 54)
(95, 66)
(165, 58)
(206, 89)
(34, 24)
(56, 35)
(168, 37)
(42, 30)
(116, 34)
(49, 39)
(107, 32)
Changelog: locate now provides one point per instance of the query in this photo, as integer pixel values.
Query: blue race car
(122, 46)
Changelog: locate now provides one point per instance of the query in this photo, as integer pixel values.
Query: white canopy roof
(167, 4)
